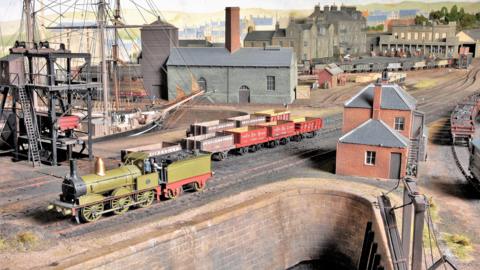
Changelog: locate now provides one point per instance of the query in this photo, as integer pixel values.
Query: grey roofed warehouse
(233, 74)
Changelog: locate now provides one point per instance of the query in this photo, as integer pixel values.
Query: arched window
(202, 84)
(244, 87)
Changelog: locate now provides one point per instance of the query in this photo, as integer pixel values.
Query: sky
(11, 9)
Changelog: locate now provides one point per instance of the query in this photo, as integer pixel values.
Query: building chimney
(377, 101)
(232, 31)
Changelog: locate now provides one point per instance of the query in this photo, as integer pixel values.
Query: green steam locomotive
(136, 183)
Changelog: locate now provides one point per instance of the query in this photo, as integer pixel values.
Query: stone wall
(223, 83)
(268, 231)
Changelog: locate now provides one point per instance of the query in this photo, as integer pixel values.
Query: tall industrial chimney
(232, 29)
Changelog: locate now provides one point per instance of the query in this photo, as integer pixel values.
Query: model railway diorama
(165, 170)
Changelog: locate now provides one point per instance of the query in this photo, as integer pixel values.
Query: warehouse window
(305, 44)
(370, 157)
(271, 83)
(399, 123)
(202, 84)
(281, 43)
(292, 44)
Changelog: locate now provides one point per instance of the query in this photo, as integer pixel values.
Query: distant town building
(262, 23)
(436, 39)
(408, 13)
(232, 74)
(330, 76)
(470, 39)
(383, 133)
(329, 32)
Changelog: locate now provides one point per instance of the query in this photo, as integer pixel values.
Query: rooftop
(393, 98)
(376, 133)
(243, 57)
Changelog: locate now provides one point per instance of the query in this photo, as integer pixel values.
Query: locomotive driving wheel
(146, 198)
(197, 186)
(92, 212)
(121, 205)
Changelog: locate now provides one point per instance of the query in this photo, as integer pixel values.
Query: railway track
(218, 187)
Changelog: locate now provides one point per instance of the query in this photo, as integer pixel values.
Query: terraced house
(325, 33)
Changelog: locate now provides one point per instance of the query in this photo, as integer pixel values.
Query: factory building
(233, 74)
(383, 133)
(418, 40)
(325, 33)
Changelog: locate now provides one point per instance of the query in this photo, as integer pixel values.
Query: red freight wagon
(274, 115)
(246, 136)
(68, 122)
(279, 129)
(308, 125)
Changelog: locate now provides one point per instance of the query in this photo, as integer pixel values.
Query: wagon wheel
(283, 141)
(173, 193)
(252, 149)
(121, 205)
(147, 197)
(197, 186)
(91, 213)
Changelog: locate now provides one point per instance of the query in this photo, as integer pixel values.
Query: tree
(444, 12)
(435, 15)
(468, 21)
(420, 19)
(453, 16)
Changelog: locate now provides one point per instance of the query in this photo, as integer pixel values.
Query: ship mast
(27, 11)
(101, 21)
(115, 53)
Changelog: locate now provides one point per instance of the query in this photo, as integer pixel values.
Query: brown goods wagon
(211, 127)
(280, 128)
(188, 143)
(249, 135)
(212, 143)
(308, 125)
(274, 115)
(247, 120)
(152, 150)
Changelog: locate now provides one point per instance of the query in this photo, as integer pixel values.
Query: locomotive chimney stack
(73, 169)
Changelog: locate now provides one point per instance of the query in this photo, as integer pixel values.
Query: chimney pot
(232, 31)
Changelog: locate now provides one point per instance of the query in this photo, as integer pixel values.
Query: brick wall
(354, 117)
(351, 160)
(270, 231)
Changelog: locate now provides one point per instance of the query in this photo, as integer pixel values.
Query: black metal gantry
(62, 95)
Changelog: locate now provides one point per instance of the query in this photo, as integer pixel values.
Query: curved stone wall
(271, 230)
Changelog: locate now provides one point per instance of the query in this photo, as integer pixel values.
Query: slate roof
(259, 36)
(393, 98)
(333, 69)
(376, 133)
(243, 57)
(473, 33)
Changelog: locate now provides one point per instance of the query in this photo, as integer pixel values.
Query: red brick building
(331, 76)
(383, 133)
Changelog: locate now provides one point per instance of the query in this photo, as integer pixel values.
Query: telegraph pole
(101, 21)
